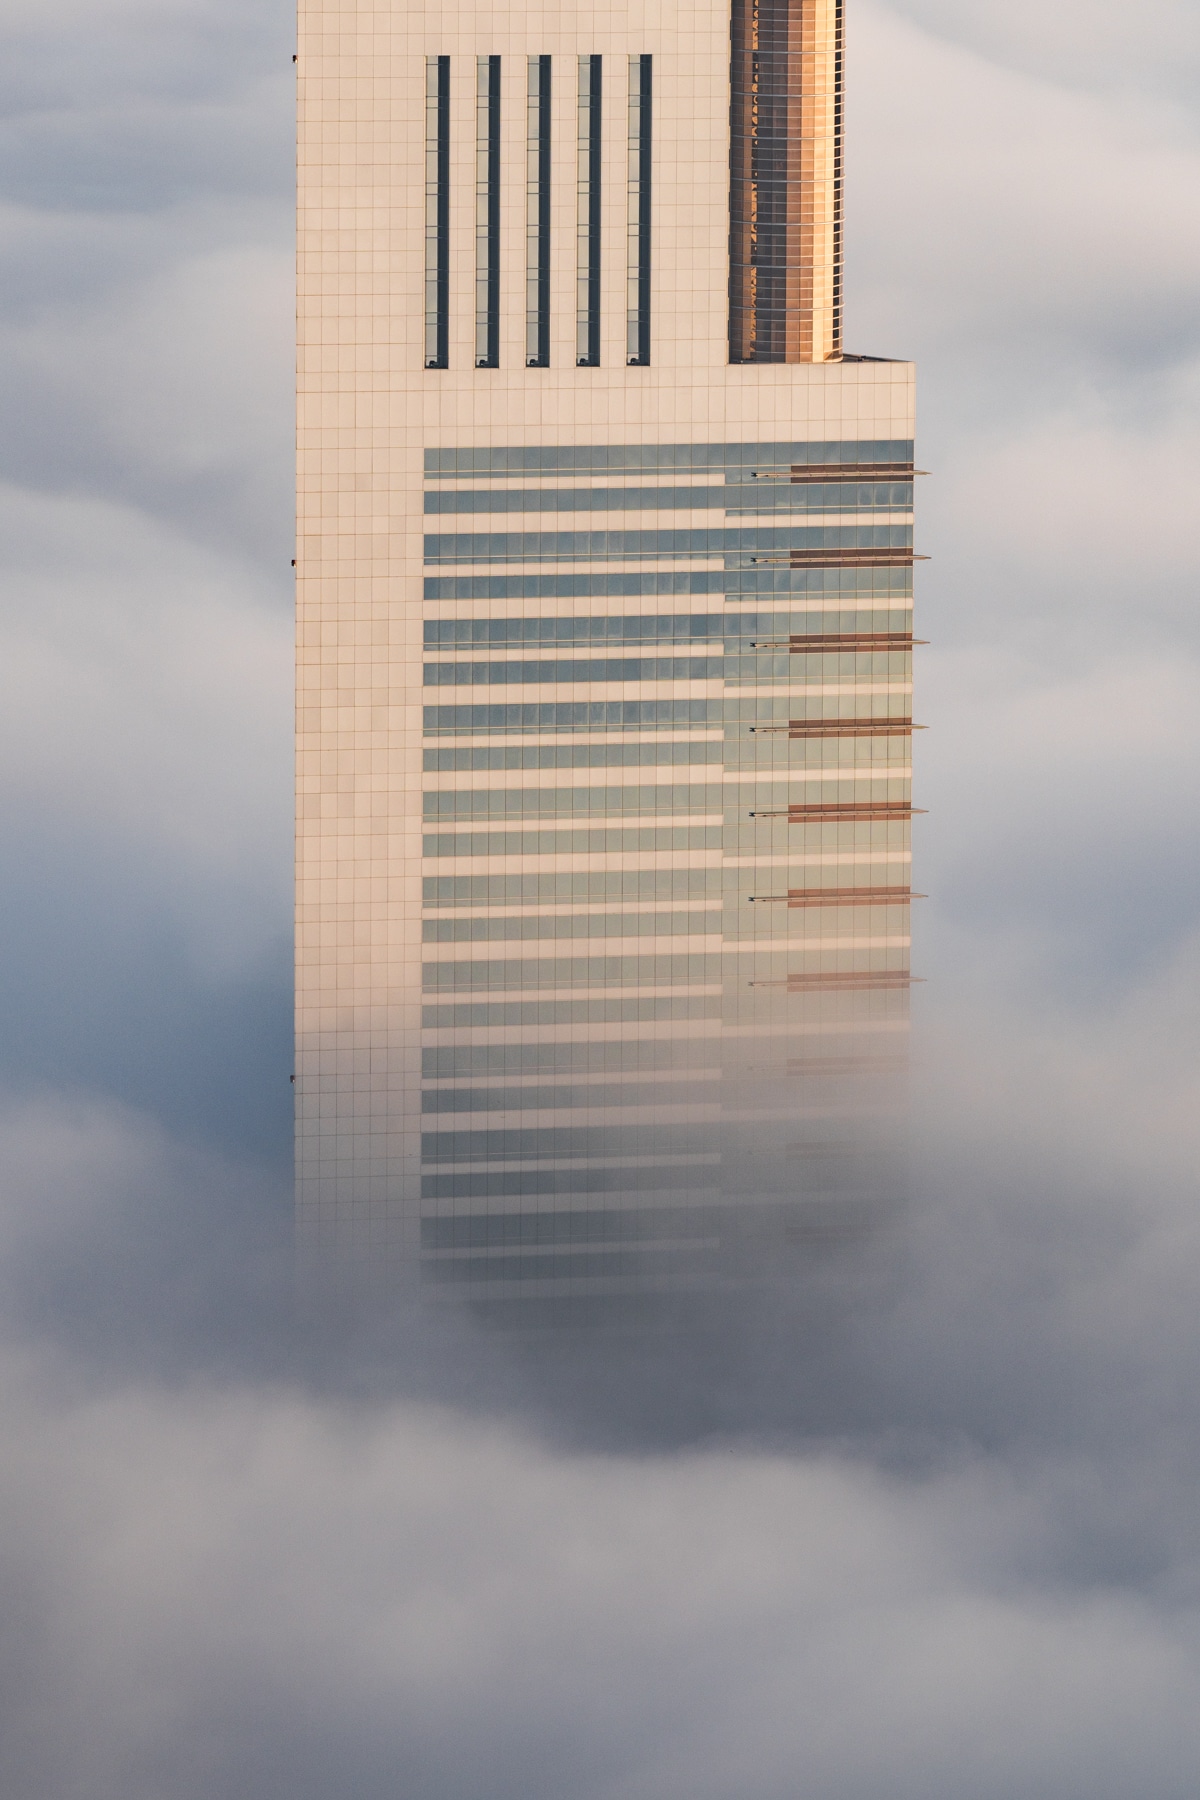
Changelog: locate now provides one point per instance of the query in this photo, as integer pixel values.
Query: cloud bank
(934, 1534)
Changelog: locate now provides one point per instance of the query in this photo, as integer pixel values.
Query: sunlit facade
(604, 717)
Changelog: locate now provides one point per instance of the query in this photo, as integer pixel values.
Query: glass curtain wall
(666, 924)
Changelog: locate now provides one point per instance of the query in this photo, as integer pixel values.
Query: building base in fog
(604, 676)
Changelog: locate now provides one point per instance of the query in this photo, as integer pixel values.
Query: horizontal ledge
(866, 810)
(838, 559)
(805, 644)
(817, 728)
(882, 978)
(806, 472)
(855, 896)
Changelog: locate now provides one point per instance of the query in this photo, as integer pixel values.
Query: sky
(946, 1545)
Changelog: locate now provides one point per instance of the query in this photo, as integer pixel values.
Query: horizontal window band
(477, 1231)
(488, 1230)
(648, 969)
(779, 936)
(601, 715)
(519, 1062)
(695, 1093)
(892, 585)
(592, 887)
(566, 999)
(846, 672)
(707, 751)
(496, 674)
(632, 839)
(560, 801)
(739, 717)
(539, 927)
(790, 687)
(438, 1102)
(779, 1032)
(529, 912)
(548, 1143)
(622, 633)
(715, 1155)
(532, 1182)
(723, 799)
(612, 1010)
(596, 1265)
(587, 459)
(736, 847)
(556, 972)
(811, 544)
(794, 495)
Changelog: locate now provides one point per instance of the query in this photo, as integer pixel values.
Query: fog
(928, 1529)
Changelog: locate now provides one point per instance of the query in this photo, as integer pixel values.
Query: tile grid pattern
(599, 921)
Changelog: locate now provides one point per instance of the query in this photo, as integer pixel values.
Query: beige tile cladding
(366, 410)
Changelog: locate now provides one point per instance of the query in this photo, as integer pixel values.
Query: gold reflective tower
(785, 159)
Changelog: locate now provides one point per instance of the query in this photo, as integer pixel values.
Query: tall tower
(604, 578)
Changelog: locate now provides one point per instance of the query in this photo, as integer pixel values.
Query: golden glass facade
(785, 181)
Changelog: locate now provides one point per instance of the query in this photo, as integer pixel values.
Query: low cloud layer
(931, 1531)
(251, 1592)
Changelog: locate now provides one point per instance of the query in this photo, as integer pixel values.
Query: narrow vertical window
(487, 213)
(637, 334)
(587, 262)
(537, 217)
(437, 211)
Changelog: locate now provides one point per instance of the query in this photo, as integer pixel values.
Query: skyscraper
(604, 576)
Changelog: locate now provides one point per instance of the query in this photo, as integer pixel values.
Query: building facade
(604, 575)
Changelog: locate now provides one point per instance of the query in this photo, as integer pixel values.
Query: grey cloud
(127, 648)
(930, 1529)
(106, 404)
(1095, 45)
(145, 802)
(251, 1589)
(1003, 212)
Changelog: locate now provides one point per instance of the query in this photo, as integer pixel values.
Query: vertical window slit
(587, 260)
(637, 336)
(537, 216)
(437, 212)
(487, 213)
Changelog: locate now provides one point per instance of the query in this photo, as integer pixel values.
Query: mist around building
(923, 1524)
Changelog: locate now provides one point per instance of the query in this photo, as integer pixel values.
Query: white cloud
(146, 704)
(1088, 44)
(996, 209)
(235, 1586)
(246, 1585)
